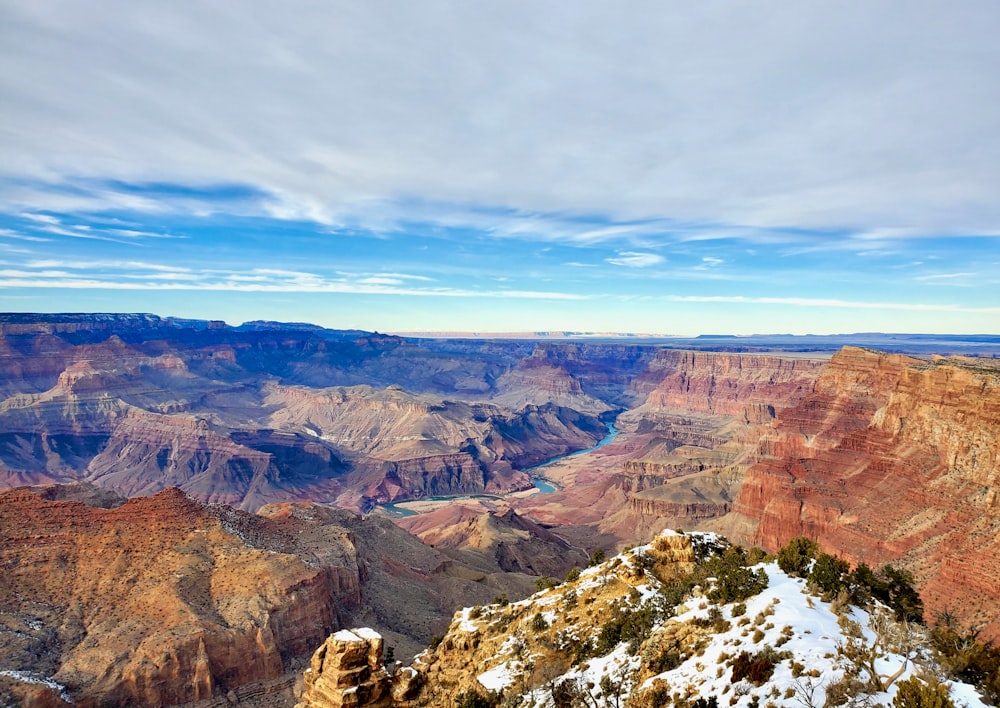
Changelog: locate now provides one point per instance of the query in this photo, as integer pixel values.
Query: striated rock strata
(160, 600)
(891, 459)
(723, 383)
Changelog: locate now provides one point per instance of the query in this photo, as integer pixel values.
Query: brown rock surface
(347, 672)
(157, 601)
(514, 543)
(892, 459)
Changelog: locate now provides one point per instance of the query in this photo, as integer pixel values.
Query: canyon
(155, 458)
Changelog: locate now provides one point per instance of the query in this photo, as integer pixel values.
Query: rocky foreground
(167, 600)
(647, 629)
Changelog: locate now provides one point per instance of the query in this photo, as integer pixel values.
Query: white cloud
(709, 262)
(945, 276)
(813, 115)
(636, 259)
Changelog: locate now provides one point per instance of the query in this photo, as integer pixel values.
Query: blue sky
(775, 167)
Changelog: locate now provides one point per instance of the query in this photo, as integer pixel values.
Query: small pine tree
(795, 557)
(829, 574)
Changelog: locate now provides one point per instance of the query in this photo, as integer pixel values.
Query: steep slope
(160, 600)
(637, 631)
(724, 383)
(514, 543)
(138, 403)
(163, 599)
(892, 459)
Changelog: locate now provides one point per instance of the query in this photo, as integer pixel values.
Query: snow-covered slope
(615, 637)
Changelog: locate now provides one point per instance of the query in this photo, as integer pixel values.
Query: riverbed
(412, 507)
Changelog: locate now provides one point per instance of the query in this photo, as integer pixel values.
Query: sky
(648, 167)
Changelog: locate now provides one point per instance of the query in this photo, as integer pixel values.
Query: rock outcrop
(164, 599)
(677, 621)
(347, 672)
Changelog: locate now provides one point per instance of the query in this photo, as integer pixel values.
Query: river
(543, 485)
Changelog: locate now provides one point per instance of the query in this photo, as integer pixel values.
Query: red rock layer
(722, 384)
(892, 459)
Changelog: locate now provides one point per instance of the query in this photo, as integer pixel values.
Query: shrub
(914, 693)
(737, 582)
(626, 625)
(794, 558)
(829, 574)
(538, 623)
(573, 574)
(755, 668)
(544, 583)
(965, 657)
(597, 557)
(901, 596)
(891, 586)
(473, 699)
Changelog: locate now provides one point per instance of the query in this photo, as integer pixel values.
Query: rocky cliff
(163, 599)
(723, 383)
(160, 600)
(892, 459)
(138, 404)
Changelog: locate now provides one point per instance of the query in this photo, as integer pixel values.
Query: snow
(466, 624)
(346, 635)
(30, 677)
(783, 617)
(497, 678)
(367, 633)
(813, 642)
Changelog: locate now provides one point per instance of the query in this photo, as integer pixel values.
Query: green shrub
(544, 583)
(538, 623)
(597, 557)
(965, 657)
(891, 586)
(573, 574)
(829, 574)
(795, 557)
(914, 693)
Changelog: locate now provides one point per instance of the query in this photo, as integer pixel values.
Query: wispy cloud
(261, 280)
(945, 276)
(709, 262)
(831, 302)
(636, 259)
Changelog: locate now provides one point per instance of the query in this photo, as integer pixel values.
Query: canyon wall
(723, 383)
(891, 459)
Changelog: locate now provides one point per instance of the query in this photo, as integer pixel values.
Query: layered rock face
(891, 459)
(156, 601)
(161, 600)
(265, 414)
(514, 543)
(722, 383)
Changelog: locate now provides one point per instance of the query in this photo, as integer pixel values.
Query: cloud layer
(705, 150)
